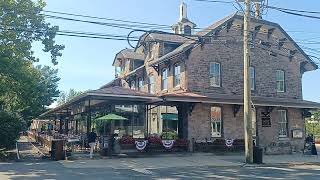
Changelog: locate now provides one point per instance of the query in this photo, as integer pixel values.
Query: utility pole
(247, 89)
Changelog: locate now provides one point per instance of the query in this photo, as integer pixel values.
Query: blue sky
(87, 63)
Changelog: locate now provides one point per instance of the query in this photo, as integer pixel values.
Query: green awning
(169, 116)
(110, 117)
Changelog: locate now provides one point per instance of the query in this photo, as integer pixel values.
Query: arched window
(215, 77)
(151, 84)
(187, 30)
(176, 75)
(164, 80)
(280, 81)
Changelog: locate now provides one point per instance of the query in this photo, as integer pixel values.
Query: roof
(117, 93)
(127, 54)
(114, 82)
(160, 36)
(187, 45)
(236, 99)
(190, 44)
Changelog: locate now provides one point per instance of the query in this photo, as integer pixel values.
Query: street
(57, 170)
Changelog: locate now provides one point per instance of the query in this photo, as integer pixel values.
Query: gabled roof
(190, 44)
(127, 54)
(187, 45)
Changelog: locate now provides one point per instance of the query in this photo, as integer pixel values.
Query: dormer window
(187, 30)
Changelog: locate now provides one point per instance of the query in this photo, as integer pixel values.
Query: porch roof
(236, 99)
(116, 93)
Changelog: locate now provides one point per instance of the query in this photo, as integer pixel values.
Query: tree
(67, 96)
(10, 126)
(25, 90)
(313, 123)
(21, 24)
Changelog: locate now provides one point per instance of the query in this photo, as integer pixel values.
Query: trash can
(57, 150)
(257, 155)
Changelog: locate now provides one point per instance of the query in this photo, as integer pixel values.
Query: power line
(293, 10)
(294, 13)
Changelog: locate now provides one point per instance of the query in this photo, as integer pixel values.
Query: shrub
(154, 139)
(127, 140)
(10, 126)
(169, 135)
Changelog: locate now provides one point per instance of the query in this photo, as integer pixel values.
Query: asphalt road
(55, 170)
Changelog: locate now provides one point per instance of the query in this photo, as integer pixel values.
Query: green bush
(10, 126)
(169, 135)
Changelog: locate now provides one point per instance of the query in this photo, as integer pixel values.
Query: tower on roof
(184, 25)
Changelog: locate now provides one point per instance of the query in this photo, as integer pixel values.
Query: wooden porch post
(89, 118)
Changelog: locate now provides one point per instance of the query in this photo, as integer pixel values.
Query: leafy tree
(21, 24)
(9, 129)
(25, 90)
(313, 124)
(67, 96)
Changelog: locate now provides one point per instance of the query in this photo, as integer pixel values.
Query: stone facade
(232, 127)
(225, 46)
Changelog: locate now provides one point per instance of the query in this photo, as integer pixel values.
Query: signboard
(297, 133)
(265, 119)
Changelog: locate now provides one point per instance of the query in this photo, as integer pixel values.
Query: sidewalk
(189, 160)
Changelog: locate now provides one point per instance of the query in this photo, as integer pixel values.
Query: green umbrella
(110, 117)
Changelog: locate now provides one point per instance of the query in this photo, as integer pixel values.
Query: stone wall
(199, 127)
(229, 53)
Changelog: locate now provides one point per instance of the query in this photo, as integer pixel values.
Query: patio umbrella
(109, 118)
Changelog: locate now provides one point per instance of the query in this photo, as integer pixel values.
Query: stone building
(192, 83)
(199, 76)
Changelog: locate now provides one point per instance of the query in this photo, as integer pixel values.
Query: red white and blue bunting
(141, 145)
(229, 142)
(168, 144)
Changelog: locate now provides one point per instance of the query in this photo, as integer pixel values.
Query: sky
(87, 63)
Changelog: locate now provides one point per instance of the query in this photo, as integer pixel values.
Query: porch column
(89, 118)
(182, 120)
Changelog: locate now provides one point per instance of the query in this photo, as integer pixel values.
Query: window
(164, 80)
(216, 122)
(283, 123)
(151, 84)
(280, 80)
(140, 84)
(187, 30)
(215, 74)
(133, 85)
(176, 75)
(252, 78)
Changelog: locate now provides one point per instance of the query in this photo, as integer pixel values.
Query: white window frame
(216, 124)
(133, 85)
(140, 84)
(164, 79)
(215, 74)
(280, 81)
(176, 75)
(283, 124)
(151, 84)
(252, 73)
